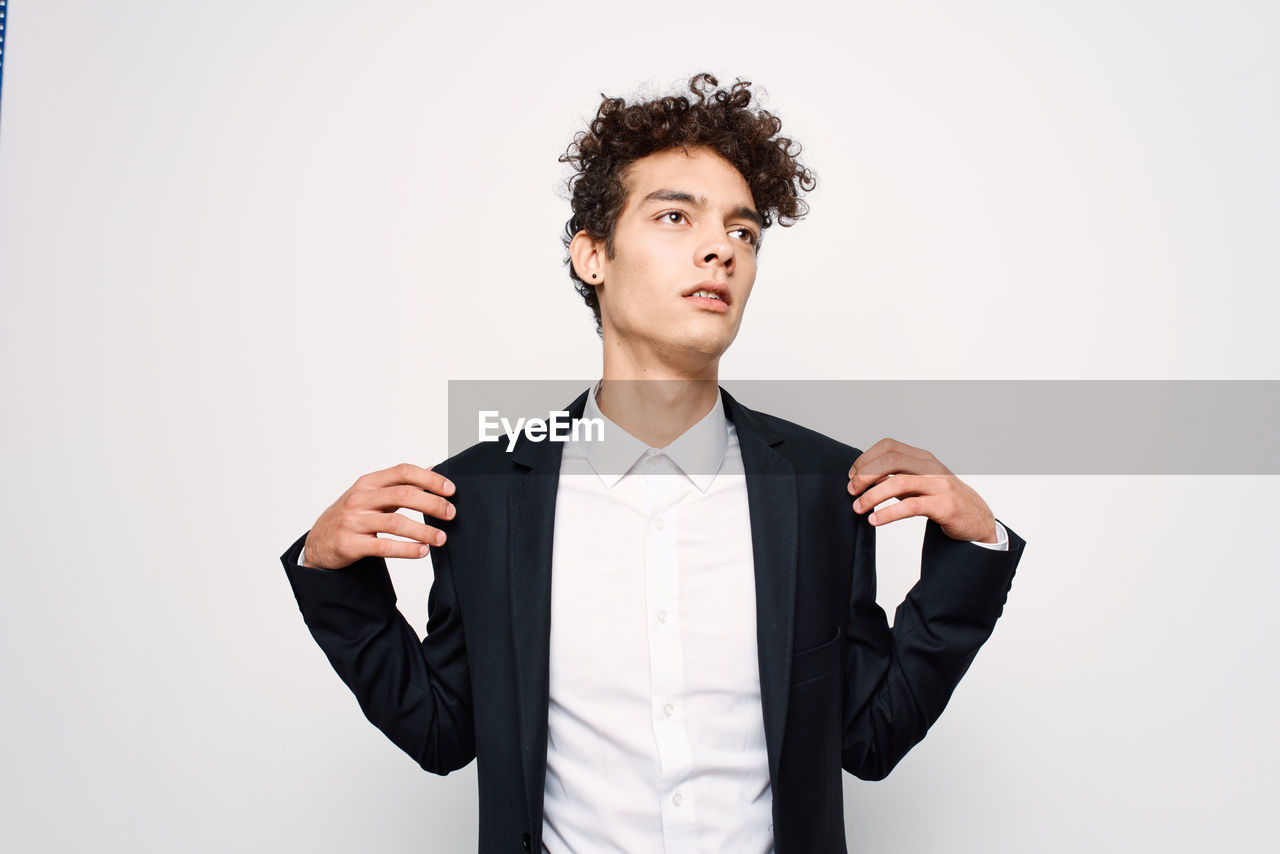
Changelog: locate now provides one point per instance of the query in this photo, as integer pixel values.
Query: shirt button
(668, 710)
(662, 616)
(677, 799)
(659, 524)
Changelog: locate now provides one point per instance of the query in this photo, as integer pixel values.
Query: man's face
(689, 226)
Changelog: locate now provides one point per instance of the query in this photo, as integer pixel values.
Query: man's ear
(588, 257)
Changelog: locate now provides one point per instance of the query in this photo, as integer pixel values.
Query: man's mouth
(710, 295)
(708, 300)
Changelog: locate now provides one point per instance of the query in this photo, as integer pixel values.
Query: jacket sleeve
(897, 682)
(417, 692)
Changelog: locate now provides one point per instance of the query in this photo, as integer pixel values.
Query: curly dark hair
(720, 119)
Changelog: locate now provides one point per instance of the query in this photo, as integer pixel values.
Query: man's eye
(673, 217)
(746, 234)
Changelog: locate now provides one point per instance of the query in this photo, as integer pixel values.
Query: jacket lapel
(774, 512)
(531, 514)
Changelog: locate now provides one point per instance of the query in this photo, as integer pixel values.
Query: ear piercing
(595, 275)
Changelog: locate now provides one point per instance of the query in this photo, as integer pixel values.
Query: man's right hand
(348, 530)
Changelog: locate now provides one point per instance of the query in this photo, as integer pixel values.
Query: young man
(667, 640)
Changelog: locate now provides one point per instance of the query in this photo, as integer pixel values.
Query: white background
(244, 245)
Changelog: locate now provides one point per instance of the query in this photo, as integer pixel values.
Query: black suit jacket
(839, 689)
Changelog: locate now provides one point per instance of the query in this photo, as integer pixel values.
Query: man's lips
(718, 302)
(709, 303)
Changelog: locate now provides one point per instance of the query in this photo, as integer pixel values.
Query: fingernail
(449, 513)
(422, 551)
(872, 519)
(448, 485)
(857, 506)
(440, 538)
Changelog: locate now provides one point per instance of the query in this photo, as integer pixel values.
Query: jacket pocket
(817, 661)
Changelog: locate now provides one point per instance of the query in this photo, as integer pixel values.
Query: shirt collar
(698, 452)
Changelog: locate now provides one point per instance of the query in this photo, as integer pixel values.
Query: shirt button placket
(666, 655)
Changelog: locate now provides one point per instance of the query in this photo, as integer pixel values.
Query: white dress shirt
(655, 734)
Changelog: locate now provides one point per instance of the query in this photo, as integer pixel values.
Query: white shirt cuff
(1002, 540)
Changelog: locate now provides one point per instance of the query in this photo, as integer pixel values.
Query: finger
(866, 482)
(401, 526)
(385, 547)
(885, 446)
(941, 486)
(408, 473)
(914, 505)
(353, 546)
(394, 498)
(897, 486)
(891, 457)
(890, 462)
(871, 454)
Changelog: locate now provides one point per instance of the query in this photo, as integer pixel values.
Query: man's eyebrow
(676, 196)
(743, 212)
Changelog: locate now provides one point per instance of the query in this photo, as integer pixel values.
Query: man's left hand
(923, 487)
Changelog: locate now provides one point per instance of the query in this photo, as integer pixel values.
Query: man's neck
(656, 396)
(656, 411)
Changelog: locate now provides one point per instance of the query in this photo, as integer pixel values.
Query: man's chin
(707, 347)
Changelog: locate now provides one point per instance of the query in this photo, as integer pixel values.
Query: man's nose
(720, 249)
